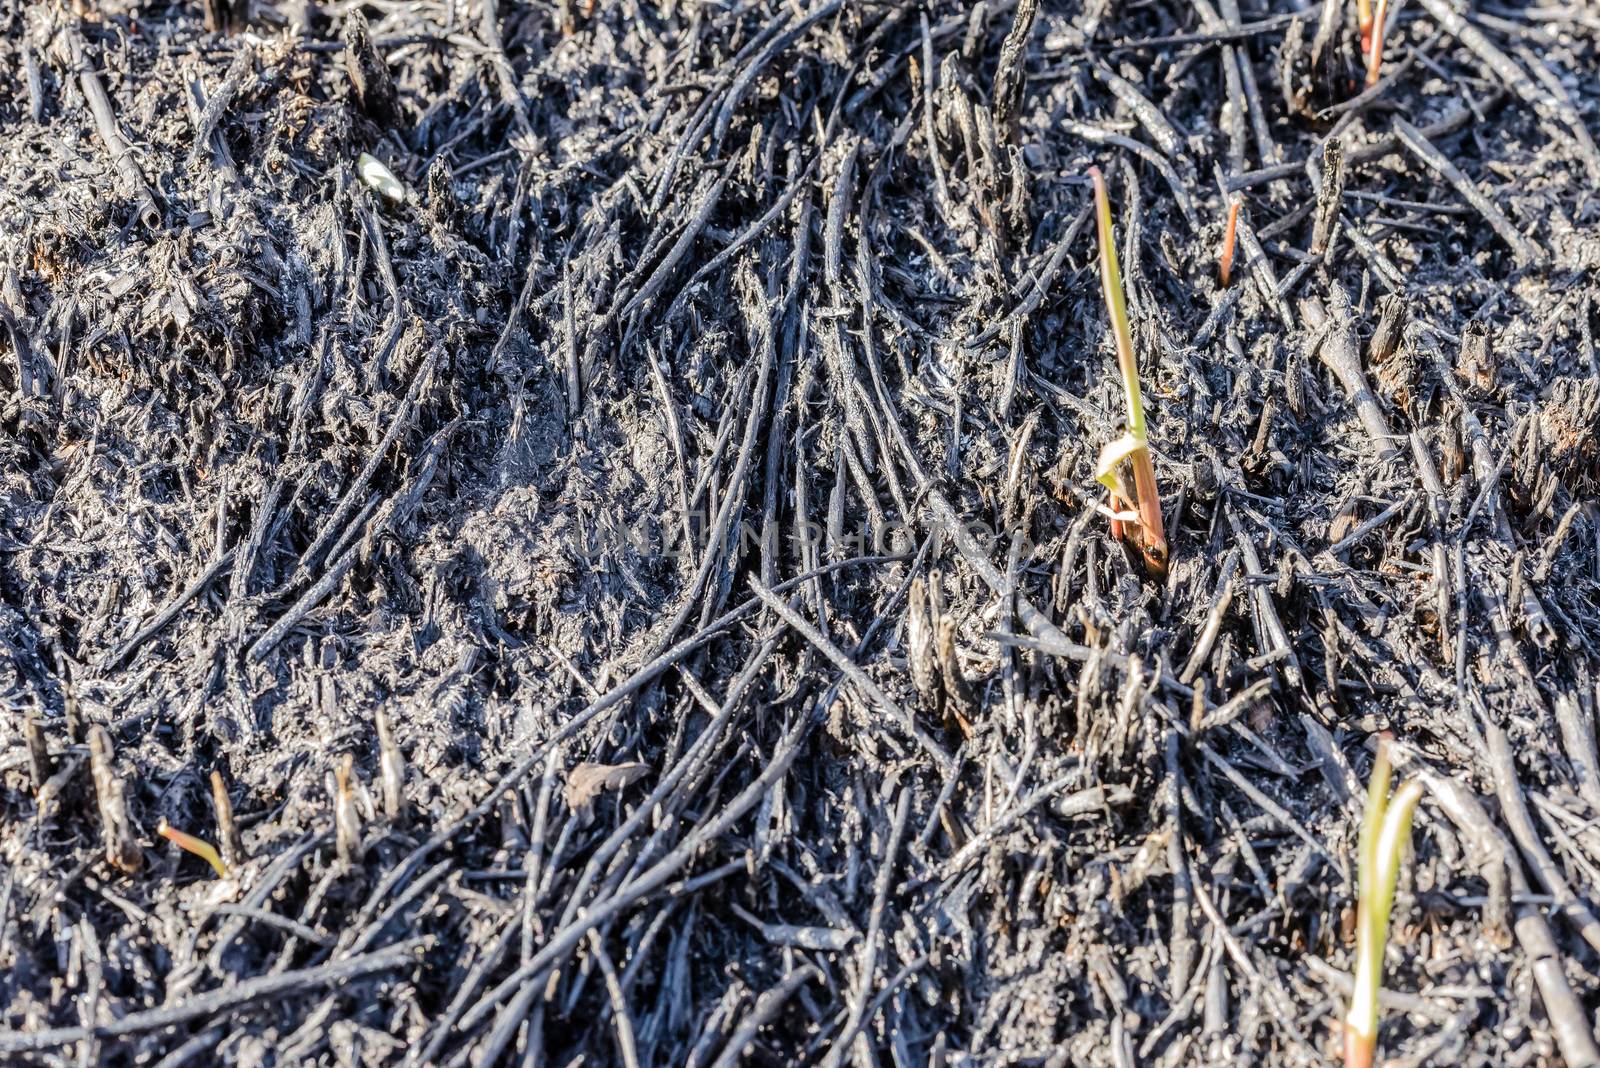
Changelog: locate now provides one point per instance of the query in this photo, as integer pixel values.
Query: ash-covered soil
(643, 596)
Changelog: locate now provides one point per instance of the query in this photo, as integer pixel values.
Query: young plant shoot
(1364, 24)
(1228, 237)
(1136, 509)
(1372, 42)
(198, 846)
(1385, 833)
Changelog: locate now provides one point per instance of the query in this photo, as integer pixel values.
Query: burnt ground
(680, 512)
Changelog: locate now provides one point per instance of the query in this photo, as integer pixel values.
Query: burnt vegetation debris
(500, 572)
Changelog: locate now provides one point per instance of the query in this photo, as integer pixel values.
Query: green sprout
(1135, 511)
(1385, 833)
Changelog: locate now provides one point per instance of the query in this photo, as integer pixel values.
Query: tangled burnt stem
(1329, 196)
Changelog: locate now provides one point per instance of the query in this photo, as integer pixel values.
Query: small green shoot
(1385, 833)
(198, 846)
(1135, 509)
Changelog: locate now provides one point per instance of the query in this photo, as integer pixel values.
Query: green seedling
(1385, 833)
(198, 846)
(1135, 501)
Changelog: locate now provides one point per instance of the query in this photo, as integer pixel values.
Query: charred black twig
(105, 124)
(116, 830)
(391, 767)
(1453, 122)
(1417, 143)
(1514, 808)
(1335, 344)
(537, 565)
(1009, 75)
(853, 672)
(368, 73)
(867, 965)
(212, 1003)
(232, 844)
(1150, 117)
(1506, 70)
(40, 765)
(1328, 197)
(1266, 611)
(1221, 600)
(1569, 1020)
(346, 816)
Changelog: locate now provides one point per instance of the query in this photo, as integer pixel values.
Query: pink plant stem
(1375, 56)
(1228, 237)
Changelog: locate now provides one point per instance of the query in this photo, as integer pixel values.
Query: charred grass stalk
(1385, 833)
(40, 766)
(1135, 511)
(346, 817)
(227, 830)
(121, 845)
(392, 768)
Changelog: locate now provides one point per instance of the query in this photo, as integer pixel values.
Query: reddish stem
(1372, 42)
(1227, 241)
(1358, 1049)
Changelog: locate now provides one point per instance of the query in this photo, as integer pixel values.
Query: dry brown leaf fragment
(588, 780)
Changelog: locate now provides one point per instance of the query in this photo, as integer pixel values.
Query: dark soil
(679, 511)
